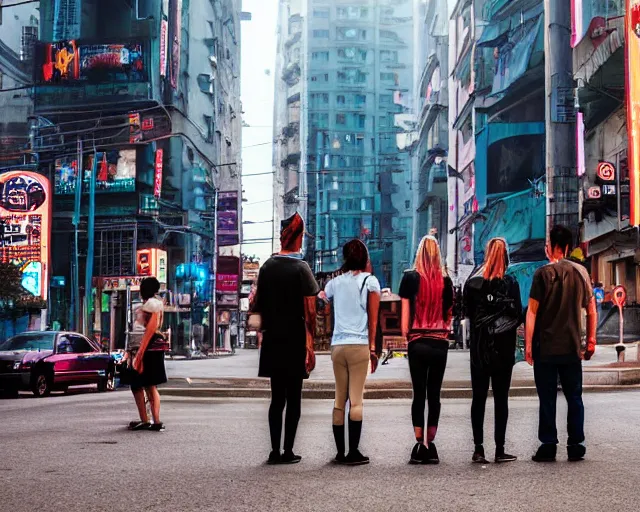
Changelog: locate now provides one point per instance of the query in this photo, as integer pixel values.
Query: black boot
(478, 455)
(338, 435)
(355, 458)
(546, 453)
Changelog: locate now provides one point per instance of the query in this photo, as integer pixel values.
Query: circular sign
(606, 171)
(619, 296)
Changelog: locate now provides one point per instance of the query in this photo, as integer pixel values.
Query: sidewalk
(237, 376)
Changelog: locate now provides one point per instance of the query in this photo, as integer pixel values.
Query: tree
(11, 279)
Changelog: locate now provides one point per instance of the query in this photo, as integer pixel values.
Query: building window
(389, 56)
(351, 76)
(319, 100)
(341, 119)
(340, 99)
(321, 34)
(389, 35)
(323, 78)
(320, 56)
(351, 34)
(387, 77)
(352, 54)
(361, 100)
(386, 99)
(321, 13)
(384, 122)
(362, 120)
(352, 13)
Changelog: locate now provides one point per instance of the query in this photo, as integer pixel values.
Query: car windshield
(40, 341)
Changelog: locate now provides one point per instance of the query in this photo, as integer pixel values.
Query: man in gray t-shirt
(559, 293)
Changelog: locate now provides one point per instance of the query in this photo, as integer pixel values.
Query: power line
(256, 145)
(258, 174)
(4, 6)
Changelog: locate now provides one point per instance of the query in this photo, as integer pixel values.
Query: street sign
(594, 193)
(606, 171)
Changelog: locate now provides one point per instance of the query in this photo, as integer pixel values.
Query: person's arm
(150, 330)
(592, 326)
(373, 306)
(530, 326)
(404, 321)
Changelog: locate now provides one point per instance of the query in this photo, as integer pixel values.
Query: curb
(377, 394)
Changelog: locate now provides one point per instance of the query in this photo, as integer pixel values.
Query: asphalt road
(68, 453)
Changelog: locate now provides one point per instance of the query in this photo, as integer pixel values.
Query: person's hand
(591, 349)
(323, 296)
(374, 361)
(137, 363)
(528, 355)
(310, 360)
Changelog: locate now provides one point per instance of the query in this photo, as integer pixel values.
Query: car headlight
(19, 365)
(16, 365)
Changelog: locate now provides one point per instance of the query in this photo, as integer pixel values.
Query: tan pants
(350, 367)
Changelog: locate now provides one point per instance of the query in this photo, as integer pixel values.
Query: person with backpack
(553, 342)
(427, 301)
(493, 306)
(356, 302)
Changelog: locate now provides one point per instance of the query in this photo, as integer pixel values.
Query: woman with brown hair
(492, 304)
(427, 301)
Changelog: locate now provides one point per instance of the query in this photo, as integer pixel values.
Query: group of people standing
(286, 299)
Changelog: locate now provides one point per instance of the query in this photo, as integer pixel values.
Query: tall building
(137, 129)
(348, 69)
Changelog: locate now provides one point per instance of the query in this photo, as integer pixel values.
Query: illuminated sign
(175, 48)
(135, 130)
(632, 89)
(228, 229)
(606, 171)
(25, 211)
(60, 62)
(609, 190)
(152, 262)
(116, 172)
(157, 181)
(164, 46)
(594, 193)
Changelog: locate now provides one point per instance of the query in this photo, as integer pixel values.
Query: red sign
(157, 182)
(227, 283)
(147, 124)
(164, 45)
(619, 296)
(632, 89)
(594, 193)
(606, 171)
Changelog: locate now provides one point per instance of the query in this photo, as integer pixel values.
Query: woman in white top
(356, 301)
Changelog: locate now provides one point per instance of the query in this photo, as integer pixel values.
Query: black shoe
(290, 458)
(356, 459)
(139, 425)
(576, 452)
(418, 454)
(432, 455)
(546, 453)
(340, 459)
(502, 457)
(157, 427)
(274, 458)
(478, 455)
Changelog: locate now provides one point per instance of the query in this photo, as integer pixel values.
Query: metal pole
(213, 322)
(88, 281)
(75, 297)
(562, 177)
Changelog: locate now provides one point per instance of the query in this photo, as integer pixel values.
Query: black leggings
(500, 378)
(284, 391)
(427, 362)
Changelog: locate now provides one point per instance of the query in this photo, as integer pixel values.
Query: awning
(587, 60)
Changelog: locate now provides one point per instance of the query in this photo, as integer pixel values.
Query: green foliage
(14, 299)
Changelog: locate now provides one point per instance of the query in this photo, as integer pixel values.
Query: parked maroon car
(53, 360)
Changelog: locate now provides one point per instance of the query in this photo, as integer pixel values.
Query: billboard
(228, 225)
(632, 59)
(152, 262)
(25, 206)
(116, 172)
(70, 61)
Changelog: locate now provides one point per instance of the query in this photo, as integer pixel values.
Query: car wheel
(41, 384)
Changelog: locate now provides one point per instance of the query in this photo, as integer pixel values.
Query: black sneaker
(340, 459)
(478, 456)
(576, 452)
(546, 453)
(502, 457)
(139, 425)
(356, 459)
(418, 454)
(157, 427)
(432, 455)
(290, 458)
(274, 458)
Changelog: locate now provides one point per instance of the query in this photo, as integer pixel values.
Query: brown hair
(496, 259)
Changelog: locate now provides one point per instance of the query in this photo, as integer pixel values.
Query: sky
(259, 43)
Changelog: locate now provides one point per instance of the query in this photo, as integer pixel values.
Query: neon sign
(632, 57)
(606, 171)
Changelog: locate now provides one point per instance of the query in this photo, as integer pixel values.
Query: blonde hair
(428, 258)
(496, 259)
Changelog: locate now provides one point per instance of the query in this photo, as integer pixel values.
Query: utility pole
(75, 294)
(88, 283)
(561, 170)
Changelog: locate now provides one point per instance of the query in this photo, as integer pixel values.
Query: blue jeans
(546, 377)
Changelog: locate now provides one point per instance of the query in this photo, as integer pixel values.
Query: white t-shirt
(141, 316)
(350, 307)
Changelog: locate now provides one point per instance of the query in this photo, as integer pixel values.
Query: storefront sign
(594, 193)
(227, 283)
(228, 228)
(250, 270)
(25, 212)
(147, 124)
(609, 190)
(164, 46)
(632, 61)
(135, 130)
(157, 181)
(116, 172)
(152, 262)
(114, 284)
(606, 171)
